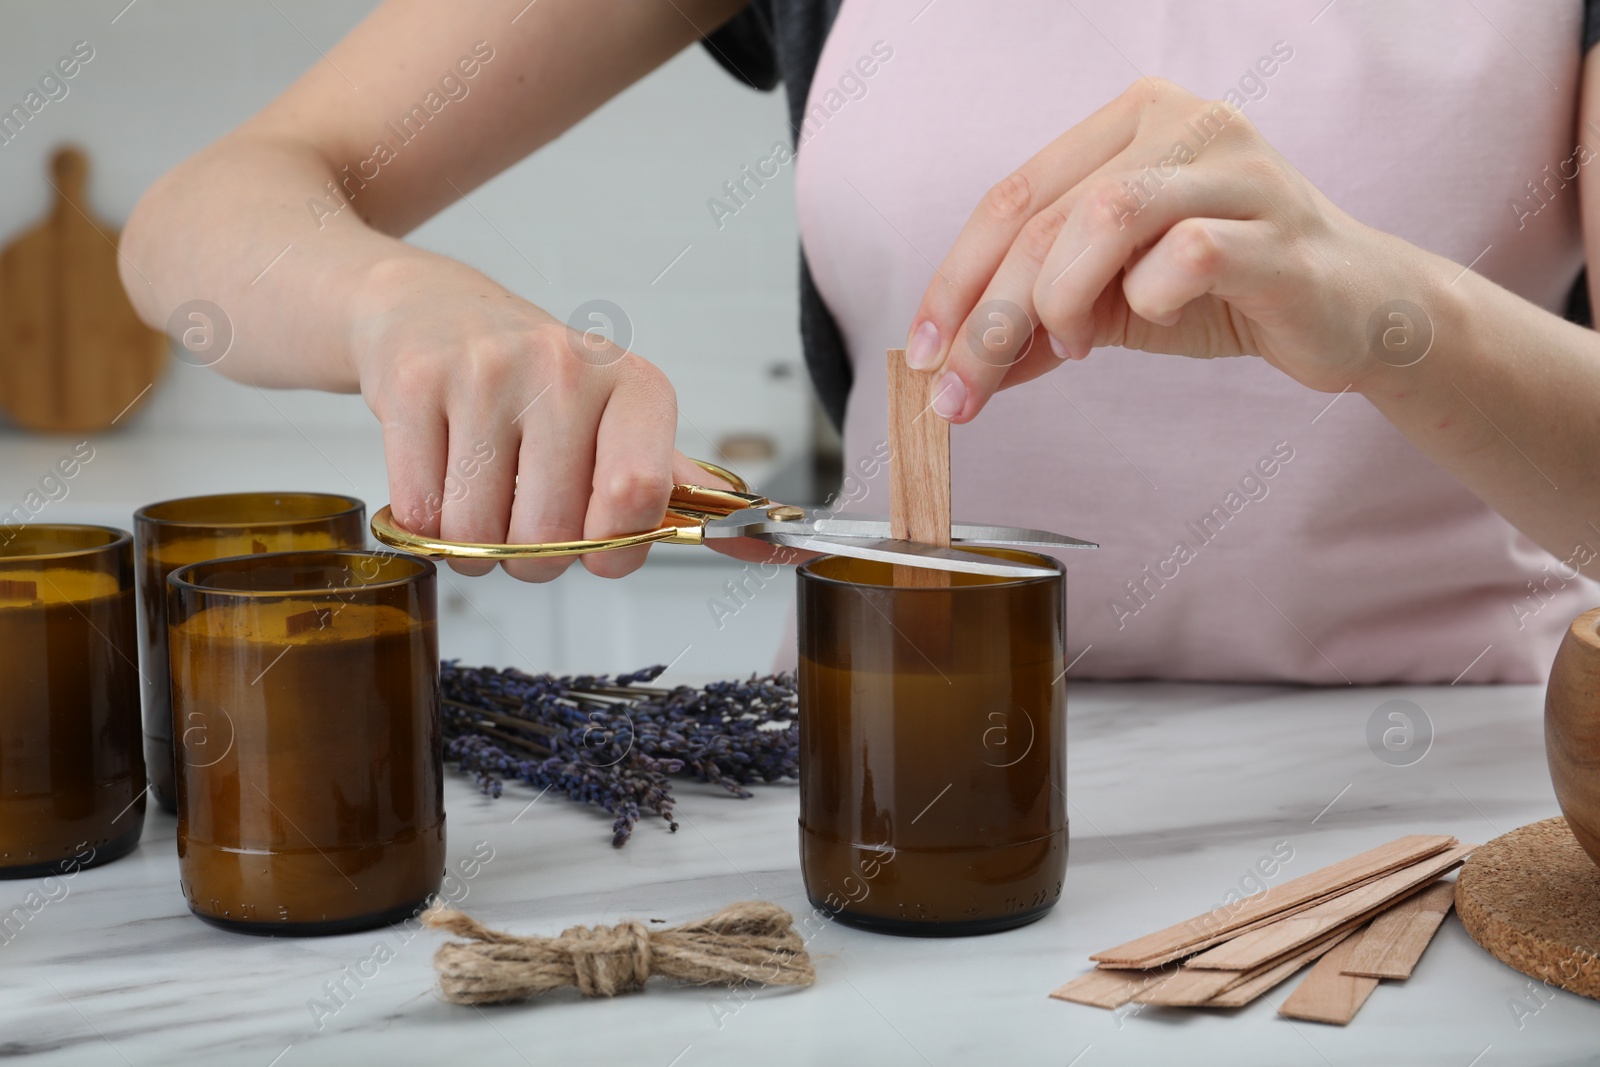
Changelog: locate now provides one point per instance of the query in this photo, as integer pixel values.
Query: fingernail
(951, 397)
(924, 347)
(1059, 349)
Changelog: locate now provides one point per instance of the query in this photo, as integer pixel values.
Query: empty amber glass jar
(178, 532)
(933, 746)
(306, 690)
(71, 772)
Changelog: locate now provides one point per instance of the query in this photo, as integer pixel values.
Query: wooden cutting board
(73, 355)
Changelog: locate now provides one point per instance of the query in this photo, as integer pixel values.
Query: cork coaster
(1532, 899)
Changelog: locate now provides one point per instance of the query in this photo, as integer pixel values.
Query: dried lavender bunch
(615, 742)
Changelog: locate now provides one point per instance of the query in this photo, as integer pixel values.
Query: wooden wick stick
(16, 589)
(315, 619)
(919, 468)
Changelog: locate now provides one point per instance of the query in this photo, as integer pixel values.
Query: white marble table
(1175, 792)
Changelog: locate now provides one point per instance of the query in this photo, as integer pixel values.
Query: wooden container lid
(1532, 899)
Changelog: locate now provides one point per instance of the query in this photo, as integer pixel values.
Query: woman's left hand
(1164, 223)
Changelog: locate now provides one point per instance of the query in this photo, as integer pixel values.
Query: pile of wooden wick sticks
(1362, 919)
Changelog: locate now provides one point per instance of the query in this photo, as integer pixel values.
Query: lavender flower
(617, 743)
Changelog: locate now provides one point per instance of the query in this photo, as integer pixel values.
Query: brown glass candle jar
(306, 689)
(71, 771)
(932, 746)
(197, 528)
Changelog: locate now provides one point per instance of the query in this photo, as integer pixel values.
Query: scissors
(697, 514)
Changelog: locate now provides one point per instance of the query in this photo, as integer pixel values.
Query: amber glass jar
(306, 686)
(71, 771)
(933, 746)
(178, 532)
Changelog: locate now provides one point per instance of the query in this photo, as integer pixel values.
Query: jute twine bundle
(752, 942)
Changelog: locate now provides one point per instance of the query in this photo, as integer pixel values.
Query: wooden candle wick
(919, 468)
(16, 589)
(315, 619)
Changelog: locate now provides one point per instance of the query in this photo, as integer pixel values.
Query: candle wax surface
(266, 622)
(199, 547)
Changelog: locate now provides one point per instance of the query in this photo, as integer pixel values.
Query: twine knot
(752, 942)
(608, 960)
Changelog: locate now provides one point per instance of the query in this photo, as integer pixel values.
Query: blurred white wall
(601, 214)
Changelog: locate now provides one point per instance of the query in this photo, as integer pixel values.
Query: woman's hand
(502, 424)
(1164, 223)
(498, 421)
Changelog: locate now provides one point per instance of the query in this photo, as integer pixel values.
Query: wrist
(385, 286)
(1422, 323)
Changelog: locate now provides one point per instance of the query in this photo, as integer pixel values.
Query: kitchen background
(616, 209)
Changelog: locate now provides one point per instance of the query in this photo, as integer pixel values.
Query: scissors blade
(965, 532)
(909, 553)
(821, 522)
(961, 532)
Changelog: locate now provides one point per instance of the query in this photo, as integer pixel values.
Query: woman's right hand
(498, 421)
(503, 424)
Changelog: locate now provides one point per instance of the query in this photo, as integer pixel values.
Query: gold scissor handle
(687, 512)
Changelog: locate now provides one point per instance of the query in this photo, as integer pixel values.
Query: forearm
(282, 223)
(232, 226)
(1507, 400)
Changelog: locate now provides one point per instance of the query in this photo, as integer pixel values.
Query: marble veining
(1175, 791)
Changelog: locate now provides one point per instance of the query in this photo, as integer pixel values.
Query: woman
(1378, 204)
